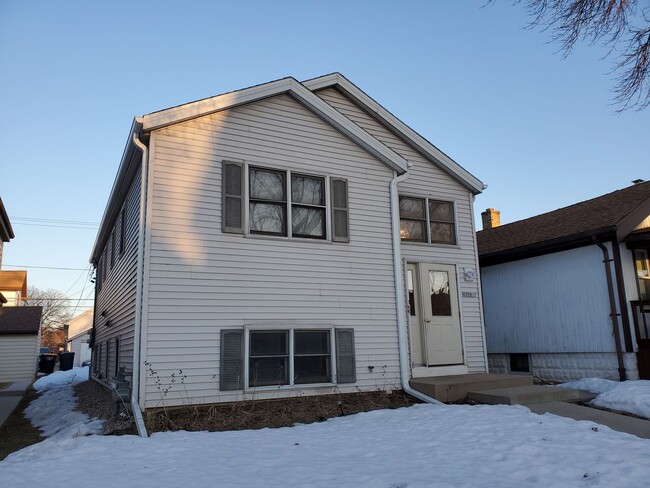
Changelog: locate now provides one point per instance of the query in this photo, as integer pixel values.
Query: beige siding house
(285, 239)
(20, 333)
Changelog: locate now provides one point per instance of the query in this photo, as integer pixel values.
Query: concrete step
(529, 394)
(615, 421)
(455, 387)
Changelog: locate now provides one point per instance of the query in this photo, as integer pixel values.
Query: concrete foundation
(561, 367)
(454, 388)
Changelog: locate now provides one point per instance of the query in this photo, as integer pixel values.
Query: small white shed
(19, 342)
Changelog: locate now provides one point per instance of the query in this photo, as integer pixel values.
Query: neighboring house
(19, 342)
(567, 293)
(250, 248)
(13, 286)
(78, 337)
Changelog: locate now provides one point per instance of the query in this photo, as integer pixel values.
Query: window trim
(290, 330)
(245, 230)
(428, 241)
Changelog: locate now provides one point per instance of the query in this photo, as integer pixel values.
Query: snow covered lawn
(627, 396)
(53, 412)
(424, 445)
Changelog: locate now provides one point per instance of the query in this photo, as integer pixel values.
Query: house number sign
(470, 294)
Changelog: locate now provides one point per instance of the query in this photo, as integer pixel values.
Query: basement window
(519, 363)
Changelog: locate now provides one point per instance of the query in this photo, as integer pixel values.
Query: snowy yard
(627, 396)
(424, 445)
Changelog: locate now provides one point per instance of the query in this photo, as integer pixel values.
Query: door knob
(428, 321)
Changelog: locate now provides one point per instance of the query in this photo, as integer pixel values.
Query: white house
(288, 238)
(78, 337)
(567, 293)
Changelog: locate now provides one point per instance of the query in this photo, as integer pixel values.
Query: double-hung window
(427, 220)
(286, 357)
(267, 201)
(275, 354)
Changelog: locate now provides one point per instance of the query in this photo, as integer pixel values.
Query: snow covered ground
(424, 445)
(53, 411)
(626, 396)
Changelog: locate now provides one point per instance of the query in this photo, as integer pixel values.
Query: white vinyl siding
(201, 280)
(18, 356)
(553, 303)
(427, 180)
(117, 295)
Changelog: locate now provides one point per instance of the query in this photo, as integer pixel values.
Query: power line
(43, 267)
(57, 226)
(32, 219)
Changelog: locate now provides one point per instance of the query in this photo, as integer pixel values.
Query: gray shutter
(232, 360)
(232, 201)
(346, 370)
(340, 211)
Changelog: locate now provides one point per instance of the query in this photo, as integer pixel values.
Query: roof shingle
(596, 215)
(20, 320)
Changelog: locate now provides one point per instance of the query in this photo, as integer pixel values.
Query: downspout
(135, 405)
(402, 336)
(612, 306)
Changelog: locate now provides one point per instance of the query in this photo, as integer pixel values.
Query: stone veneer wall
(569, 366)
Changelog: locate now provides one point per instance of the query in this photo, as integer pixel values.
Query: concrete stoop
(456, 387)
(529, 394)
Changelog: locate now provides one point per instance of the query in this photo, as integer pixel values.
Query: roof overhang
(129, 165)
(383, 116)
(14, 280)
(632, 220)
(6, 232)
(547, 247)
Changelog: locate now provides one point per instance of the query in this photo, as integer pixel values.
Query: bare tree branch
(609, 22)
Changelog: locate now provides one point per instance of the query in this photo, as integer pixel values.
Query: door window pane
(411, 289)
(642, 263)
(439, 288)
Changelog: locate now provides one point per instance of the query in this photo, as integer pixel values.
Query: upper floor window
(283, 203)
(427, 220)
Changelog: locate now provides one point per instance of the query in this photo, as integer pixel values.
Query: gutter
(612, 306)
(402, 336)
(137, 339)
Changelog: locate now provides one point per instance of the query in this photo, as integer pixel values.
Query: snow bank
(627, 396)
(53, 411)
(425, 445)
(75, 375)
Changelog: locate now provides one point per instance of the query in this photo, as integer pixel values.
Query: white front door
(440, 315)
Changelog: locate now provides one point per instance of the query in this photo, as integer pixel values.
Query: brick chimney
(491, 218)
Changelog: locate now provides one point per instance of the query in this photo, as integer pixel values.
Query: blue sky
(538, 129)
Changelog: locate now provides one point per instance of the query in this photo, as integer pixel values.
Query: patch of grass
(258, 414)
(17, 432)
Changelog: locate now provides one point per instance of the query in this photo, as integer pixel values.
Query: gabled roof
(415, 140)
(207, 106)
(617, 213)
(6, 232)
(14, 281)
(20, 320)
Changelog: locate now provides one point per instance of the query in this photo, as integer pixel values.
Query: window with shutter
(233, 198)
(231, 376)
